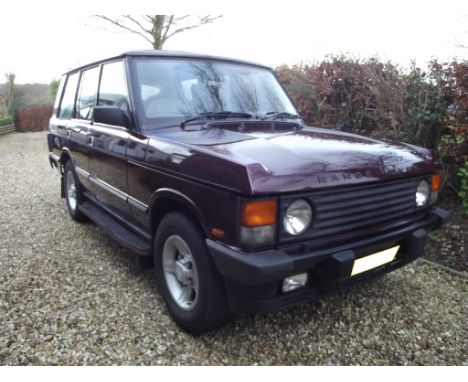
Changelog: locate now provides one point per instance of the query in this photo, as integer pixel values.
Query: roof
(168, 54)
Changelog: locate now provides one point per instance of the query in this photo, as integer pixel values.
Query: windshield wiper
(280, 114)
(216, 115)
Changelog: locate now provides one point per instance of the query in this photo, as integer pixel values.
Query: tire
(73, 192)
(184, 268)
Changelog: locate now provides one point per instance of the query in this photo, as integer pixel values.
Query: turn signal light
(216, 232)
(258, 213)
(435, 182)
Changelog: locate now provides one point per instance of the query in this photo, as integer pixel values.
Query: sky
(39, 48)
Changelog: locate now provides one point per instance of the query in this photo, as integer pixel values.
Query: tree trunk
(157, 31)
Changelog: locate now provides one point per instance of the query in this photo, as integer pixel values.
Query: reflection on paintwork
(207, 137)
(284, 161)
(302, 152)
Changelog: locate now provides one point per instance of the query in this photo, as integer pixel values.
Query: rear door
(79, 127)
(70, 133)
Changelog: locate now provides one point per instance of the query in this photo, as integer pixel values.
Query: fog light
(294, 282)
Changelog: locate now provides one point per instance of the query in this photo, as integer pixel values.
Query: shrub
(463, 193)
(34, 118)
(355, 95)
(427, 108)
(7, 120)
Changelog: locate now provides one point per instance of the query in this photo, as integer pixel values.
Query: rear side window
(68, 99)
(113, 88)
(88, 93)
(58, 97)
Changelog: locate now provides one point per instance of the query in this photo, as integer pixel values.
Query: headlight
(422, 193)
(297, 217)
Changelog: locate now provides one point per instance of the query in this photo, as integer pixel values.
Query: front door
(109, 162)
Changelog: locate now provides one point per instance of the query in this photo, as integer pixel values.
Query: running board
(115, 229)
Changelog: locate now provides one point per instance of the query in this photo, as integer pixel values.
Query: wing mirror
(110, 115)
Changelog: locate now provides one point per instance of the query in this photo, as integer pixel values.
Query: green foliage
(53, 88)
(435, 237)
(11, 92)
(425, 106)
(8, 96)
(6, 121)
(463, 193)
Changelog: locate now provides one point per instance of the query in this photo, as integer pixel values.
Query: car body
(279, 212)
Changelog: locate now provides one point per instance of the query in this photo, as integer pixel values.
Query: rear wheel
(73, 192)
(191, 286)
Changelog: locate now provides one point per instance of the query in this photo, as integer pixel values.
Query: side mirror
(110, 116)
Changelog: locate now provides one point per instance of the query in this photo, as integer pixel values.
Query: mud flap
(62, 187)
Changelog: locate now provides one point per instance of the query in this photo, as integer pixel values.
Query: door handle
(91, 140)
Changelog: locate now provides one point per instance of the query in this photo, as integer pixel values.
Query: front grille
(344, 210)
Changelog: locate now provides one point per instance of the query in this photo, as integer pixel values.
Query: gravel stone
(69, 295)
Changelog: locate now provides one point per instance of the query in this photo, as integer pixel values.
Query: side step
(115, 229)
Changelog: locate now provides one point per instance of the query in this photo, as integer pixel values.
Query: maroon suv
(202, 166)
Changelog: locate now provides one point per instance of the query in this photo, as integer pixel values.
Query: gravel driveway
(70, 295)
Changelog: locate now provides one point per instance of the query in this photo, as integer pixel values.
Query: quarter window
(88, 93)
(68, 99)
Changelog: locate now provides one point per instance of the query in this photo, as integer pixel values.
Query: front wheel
(191, 286)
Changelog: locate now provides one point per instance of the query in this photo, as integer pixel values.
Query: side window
(58, 96)
(113, 88)
(88, 92)
(68, 99)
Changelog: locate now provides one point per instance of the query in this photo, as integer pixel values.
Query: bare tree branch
(120, 25)
(167, 28)
(157, 29)
(202, 21)
(128, 17)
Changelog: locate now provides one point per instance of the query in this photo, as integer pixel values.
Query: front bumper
(253, 280)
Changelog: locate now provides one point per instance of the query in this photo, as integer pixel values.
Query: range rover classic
(203, 167)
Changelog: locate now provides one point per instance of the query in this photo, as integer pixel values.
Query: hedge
(34, 118)
(379, 99)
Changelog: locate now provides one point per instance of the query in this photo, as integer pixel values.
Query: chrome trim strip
(114, 191)
(137, 204)
(81, 172)
(111, 127)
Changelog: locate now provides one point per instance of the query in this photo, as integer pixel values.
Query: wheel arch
(64, 157)
(166, 200)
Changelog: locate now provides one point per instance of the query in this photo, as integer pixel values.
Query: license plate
(375, 260)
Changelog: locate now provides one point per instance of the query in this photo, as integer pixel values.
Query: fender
(66, 152)
(180, 198)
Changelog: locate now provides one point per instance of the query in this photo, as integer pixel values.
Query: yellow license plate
(375, 260)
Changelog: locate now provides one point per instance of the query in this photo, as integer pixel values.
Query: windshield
(169, 90)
